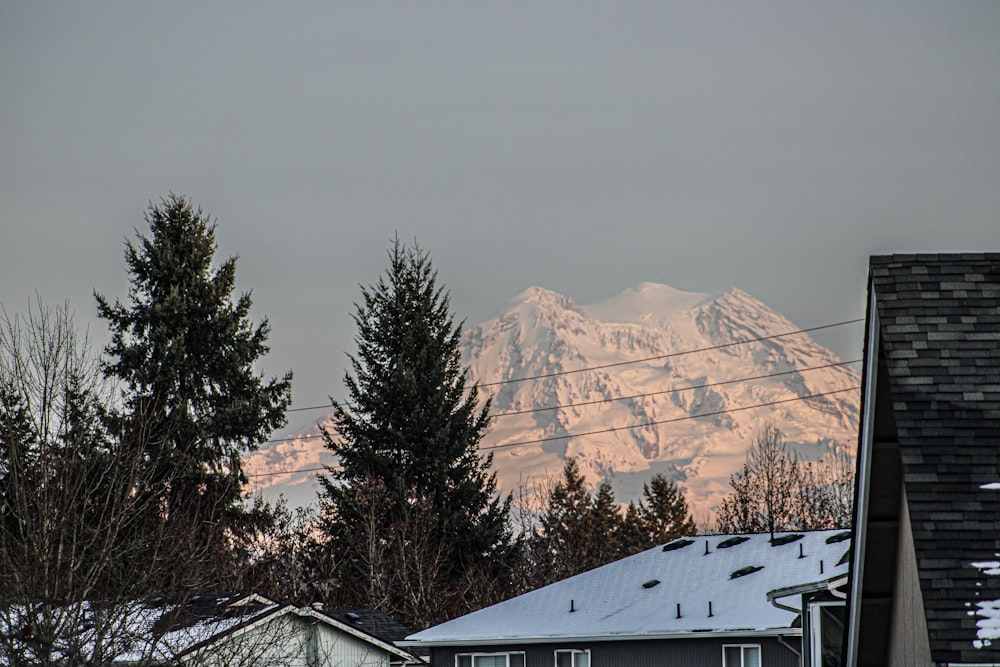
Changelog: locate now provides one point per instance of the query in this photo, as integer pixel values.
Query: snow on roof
(718, 584)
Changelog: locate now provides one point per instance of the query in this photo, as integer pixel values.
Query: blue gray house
(710, 601)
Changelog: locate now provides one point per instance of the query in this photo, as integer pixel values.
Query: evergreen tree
(665, 511)
(662, 516)
(184, 351)
(579, 531)
(411, 428)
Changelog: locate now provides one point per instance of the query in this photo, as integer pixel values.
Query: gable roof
(639, 597)
(162, 630)
(933, 382)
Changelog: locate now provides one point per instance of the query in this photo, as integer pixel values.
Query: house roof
(162, 630)
(939, 334)
(374, 623)
(639, 597)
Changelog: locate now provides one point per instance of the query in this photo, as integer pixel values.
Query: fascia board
(863, 482)
(236, 631)
(363, 636)
(492, 641)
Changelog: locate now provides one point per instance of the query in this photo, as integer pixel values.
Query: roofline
(811, 587)
(371, 639)
(304, 612)
(688, 634)
(865, 442)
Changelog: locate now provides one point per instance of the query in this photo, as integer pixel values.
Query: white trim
(573, 652)
(760, 660)
(332, 622)
(565, 639)
(864, 478)
(490, 654)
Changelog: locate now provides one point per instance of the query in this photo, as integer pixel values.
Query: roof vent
(651, 583)
(677, 544)
(845, 557)
(786, 539)
(354, 617)
(744, 571)
(731, 542)
(839, 537)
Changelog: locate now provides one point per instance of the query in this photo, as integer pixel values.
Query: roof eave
(690, 634)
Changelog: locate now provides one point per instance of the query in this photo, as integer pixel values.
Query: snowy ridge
(545, 333)
(541, 332)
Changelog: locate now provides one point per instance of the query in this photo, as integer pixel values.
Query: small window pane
(516, 660)
(751, 656)
(564, 659)
(732, 656)
(582, 659)
(464, 661)
(491, 661)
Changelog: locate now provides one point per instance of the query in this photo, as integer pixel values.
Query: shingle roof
(374, 623)
(620, 600)
(940, 331)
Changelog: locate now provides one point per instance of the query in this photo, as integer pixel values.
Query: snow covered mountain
(620, 378)
(582, 352)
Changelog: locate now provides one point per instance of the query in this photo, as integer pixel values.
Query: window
(572, 658)
(489, 660)
(826, 632)
(741, 655)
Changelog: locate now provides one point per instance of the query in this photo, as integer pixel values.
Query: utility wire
(672, 390)
(635, 361)
(666, 421)
(609, 430)
(622, 398)
(673, 354)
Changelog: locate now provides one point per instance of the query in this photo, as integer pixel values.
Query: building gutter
(691, 634)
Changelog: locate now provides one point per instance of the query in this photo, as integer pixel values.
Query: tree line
(122, 472)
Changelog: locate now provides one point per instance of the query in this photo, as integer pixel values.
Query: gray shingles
(940, 330)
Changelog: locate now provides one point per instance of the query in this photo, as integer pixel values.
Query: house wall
(909, 643)
(705, 652)
(292, 641)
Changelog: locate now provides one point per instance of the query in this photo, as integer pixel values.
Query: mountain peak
(539, 296)
(646, 301)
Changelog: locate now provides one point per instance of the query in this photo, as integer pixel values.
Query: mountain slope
(541, 333)
(591, 386)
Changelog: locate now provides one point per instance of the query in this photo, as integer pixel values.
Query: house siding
(694, 652)
(909, 645)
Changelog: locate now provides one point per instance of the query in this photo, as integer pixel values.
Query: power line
(613, 429)
(634, 361)
(673, 354)
(674, 390)
(668, 421)
(622, 398)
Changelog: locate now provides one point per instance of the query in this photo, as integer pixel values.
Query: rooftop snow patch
(611, 603)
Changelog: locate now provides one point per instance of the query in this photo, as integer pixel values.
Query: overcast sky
(581, 146)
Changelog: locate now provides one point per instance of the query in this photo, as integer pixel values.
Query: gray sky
(581, 146)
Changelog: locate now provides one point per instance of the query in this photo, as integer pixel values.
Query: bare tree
(775, 490)
(765, 495)
(80, 548)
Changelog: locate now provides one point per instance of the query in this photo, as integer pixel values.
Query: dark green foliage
(579, 530)
(412, 512)
(663, 513)
(184, 352)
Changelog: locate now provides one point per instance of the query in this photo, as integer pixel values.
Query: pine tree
(184, 351)
(665, 511)
(411, 428)
(579, 530)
